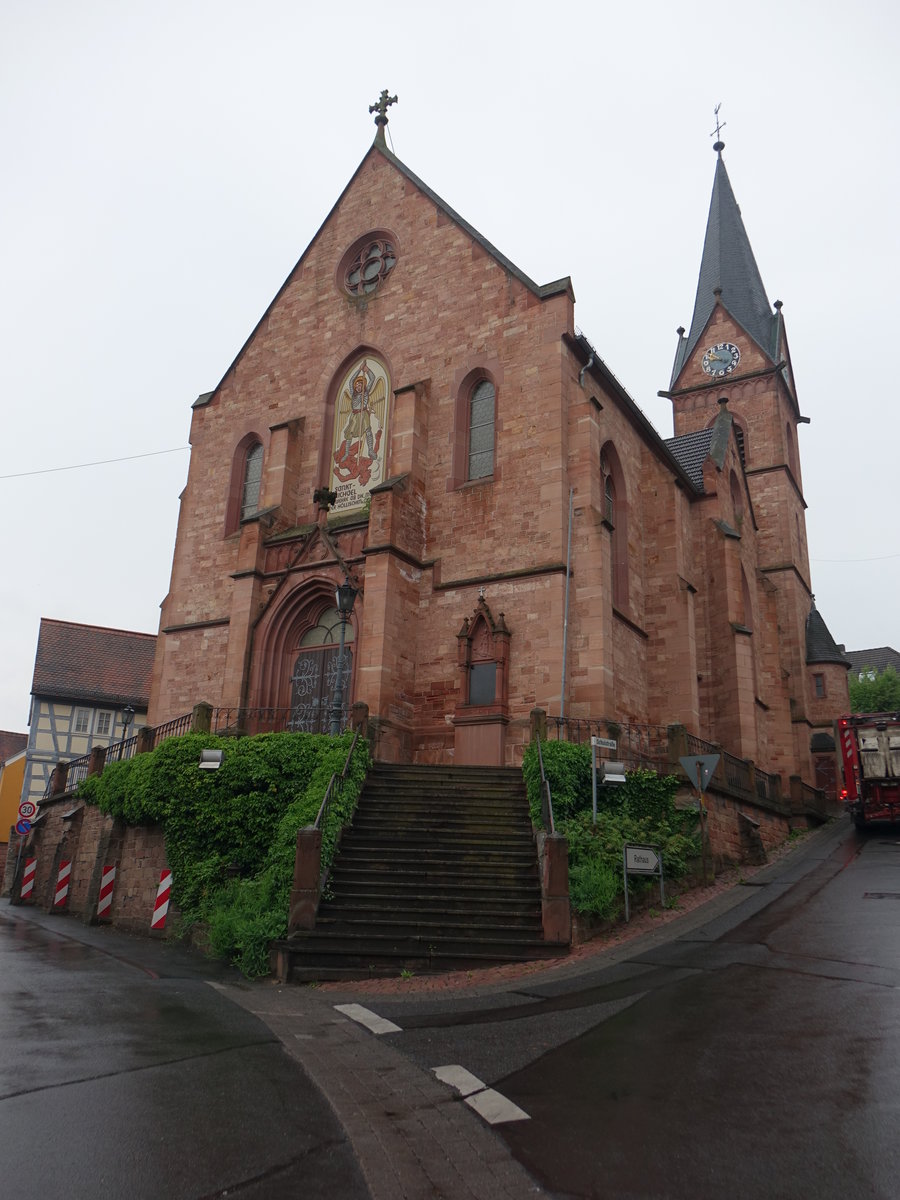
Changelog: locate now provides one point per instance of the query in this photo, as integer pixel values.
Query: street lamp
(127, 718)
(345, 595)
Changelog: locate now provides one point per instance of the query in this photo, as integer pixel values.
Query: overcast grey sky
(167, 163)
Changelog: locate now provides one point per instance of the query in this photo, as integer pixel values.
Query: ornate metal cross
(381, 107)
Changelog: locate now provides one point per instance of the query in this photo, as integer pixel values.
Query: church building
(415, 415)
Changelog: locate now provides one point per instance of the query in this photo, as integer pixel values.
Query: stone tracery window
(370, 262)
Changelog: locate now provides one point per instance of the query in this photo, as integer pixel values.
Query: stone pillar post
(144, 742)
(201, 717)
(556, 913)
(304, 902)
(538, 725)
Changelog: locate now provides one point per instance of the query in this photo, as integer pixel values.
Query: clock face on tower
(721, 359)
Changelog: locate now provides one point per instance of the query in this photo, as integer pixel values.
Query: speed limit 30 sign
(27, 809)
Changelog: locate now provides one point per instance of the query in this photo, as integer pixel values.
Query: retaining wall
(80, 833)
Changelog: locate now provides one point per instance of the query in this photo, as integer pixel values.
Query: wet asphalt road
(124, 1074)
(757, 1057)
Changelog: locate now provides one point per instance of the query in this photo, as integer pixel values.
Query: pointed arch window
(615, 518)
(252, 480)
(245, 484)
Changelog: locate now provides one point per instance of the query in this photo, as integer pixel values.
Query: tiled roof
(820, 645)
(875, 659)
(11, 744)
(690, 451)
(90, 662)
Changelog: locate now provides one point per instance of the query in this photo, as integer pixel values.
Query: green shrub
(231, 834)
(594, 888)
(641, 810)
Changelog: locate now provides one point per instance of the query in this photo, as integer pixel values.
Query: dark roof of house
(91, 662)
(728, 264)
(691, 451)
(820, 645)
(11, 744)
(875, 659)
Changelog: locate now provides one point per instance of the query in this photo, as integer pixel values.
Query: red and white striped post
(161, 907)
(61, 895)
(104, 903)
(28, 878)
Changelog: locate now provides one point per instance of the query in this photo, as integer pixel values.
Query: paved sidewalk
(412, 1137)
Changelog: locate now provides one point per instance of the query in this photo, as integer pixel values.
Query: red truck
(869, 754)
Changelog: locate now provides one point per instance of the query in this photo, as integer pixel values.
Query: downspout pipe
(587, 366)
(562, 689)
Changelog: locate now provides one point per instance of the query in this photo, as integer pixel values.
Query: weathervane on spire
(381, 107)
(718, 145)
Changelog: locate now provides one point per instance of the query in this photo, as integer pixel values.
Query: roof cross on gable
(381, 106)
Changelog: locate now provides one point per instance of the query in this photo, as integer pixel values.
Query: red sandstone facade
(689, 589)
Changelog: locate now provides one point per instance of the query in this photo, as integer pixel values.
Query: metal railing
(77, 771)
(232, 722)
(119, 751)
(335, 786)
(546, 799)
(174, 728)
(334, 790)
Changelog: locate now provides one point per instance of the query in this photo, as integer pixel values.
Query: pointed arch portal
(295, 663)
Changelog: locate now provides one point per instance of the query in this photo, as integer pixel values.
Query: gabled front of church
(415, 415)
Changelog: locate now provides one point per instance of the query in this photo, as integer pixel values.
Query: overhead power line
(880, 558)
(101, 463)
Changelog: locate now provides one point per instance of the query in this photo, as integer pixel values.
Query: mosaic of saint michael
(360, 418)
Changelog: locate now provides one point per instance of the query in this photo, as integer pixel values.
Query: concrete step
(394, 911)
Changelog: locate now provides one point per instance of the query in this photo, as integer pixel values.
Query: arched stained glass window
(481, 430)
(252, 480)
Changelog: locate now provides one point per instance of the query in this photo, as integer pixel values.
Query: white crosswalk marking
(458, 1077)
(489, 1104)
(365, 1016)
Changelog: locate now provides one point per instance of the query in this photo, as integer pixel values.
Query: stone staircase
(438, 872)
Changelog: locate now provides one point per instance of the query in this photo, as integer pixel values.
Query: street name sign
(603, 743)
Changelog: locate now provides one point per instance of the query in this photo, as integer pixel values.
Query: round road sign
(23, 826)
(27, 809)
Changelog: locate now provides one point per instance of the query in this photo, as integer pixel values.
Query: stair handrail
(335, 784)
(546, 801)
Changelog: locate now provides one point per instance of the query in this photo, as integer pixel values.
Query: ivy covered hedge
(231, 834)
(641, 810)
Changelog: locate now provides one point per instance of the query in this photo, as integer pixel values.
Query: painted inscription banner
(360, 433)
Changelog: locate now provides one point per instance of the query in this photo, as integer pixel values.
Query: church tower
(736, 350)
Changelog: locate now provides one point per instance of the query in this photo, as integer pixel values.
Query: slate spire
(728, 272)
